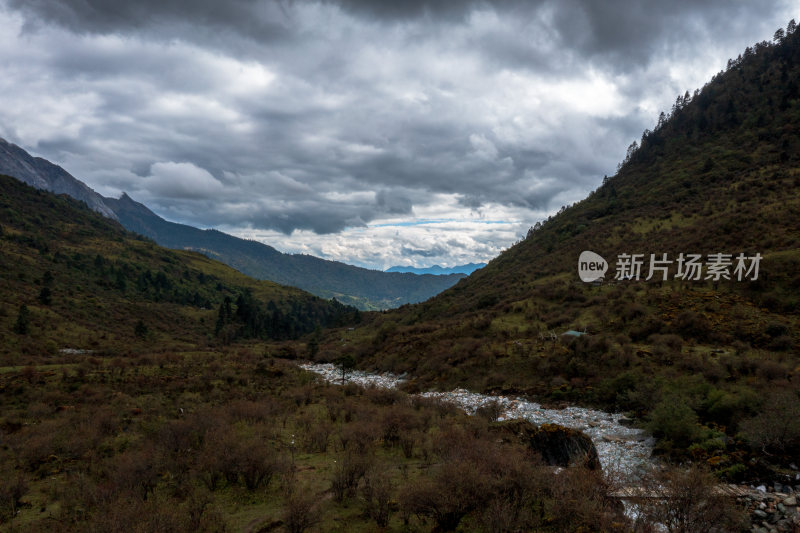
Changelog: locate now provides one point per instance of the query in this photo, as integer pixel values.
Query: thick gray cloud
(436, 251)
(360, 119)
(261, 20)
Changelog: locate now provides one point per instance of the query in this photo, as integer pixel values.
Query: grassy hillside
(711, 367)
(72, 279)
(360, 287)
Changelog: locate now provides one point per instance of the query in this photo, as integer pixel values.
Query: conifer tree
(23, 321)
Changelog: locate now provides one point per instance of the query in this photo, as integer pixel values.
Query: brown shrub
(379, 396)
(256, 464)
(490, 411)
(317, 436)
(300, 509)
(580, 500)
(359, 436)
(377, 492)
(776, 428)
(262, 411)
(227, 456)
(673, 343)
(134, 473)
(451, 493)
(687, 501)
(771, 370)
(13, 487)
(348, 470)
(139, 516)
(499, 485)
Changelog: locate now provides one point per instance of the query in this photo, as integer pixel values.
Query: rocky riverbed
(622, 450)
(771, 509)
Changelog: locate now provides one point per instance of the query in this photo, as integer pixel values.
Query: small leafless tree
(377, 492)
(686, 500)
(12, 488)
(300, 509)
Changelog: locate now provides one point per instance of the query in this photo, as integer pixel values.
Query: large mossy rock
(558, 445)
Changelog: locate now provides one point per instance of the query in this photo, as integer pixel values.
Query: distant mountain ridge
(437, 270)
(363, 288)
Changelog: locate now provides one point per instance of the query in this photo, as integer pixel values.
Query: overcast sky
(372, 132)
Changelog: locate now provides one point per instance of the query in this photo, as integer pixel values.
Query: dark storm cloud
(624, 29)
(432, 252)
(299, 115)
(633, 29)
(393, 204)
(261, 20)
(410, 9)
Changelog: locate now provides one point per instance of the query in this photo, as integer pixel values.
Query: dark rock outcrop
(42, 174)
(558, 445)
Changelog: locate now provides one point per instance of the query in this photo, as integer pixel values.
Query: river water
(623, 451)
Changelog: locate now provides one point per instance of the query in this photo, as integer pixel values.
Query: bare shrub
(776, 429)
(673, 342)
(396, 422)
(251, 412)
(633, 311)
(135, 472)
(380, 396)
(302, 395)
(359, 436)
(491, 411)
(300, 509)
(408, 441)
(581, 500)
(456, 487)
(256, 464)
(684, 500)
(347, 473)
(131, 514)
(515, 500)
(770, 370)
(692, 324)
(455, 490)
(318, 436)
(177, 438)
(200, 513)
(377, 492)
(13, 487)
(216, 462)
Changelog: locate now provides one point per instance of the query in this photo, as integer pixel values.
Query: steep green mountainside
(720, 174)
(360, 287)
(73, 279)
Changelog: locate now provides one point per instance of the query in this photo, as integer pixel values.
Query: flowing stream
(623, 450)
